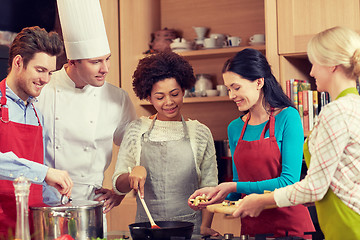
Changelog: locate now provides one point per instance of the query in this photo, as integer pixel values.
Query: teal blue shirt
(290, 138)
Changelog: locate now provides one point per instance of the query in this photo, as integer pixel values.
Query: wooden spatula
(152, 222)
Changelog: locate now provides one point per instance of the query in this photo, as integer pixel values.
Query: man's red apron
(261, 160)
(25, 141)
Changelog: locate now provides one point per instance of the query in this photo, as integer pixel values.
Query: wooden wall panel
(110, 10)
(234, 17)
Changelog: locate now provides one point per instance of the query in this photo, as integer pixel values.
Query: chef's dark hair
(251, 64)
(160, 66)
(32, 40)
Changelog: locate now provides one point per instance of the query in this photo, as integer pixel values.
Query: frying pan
(168, 230)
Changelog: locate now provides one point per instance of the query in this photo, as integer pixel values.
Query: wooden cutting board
(220, 208)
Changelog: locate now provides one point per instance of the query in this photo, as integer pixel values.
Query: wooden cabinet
(299, 20)
(139, 18)
(295, 22)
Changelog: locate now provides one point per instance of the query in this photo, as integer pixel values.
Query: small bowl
(181, 46)
(212, 92)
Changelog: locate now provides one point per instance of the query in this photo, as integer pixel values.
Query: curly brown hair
(160, 66)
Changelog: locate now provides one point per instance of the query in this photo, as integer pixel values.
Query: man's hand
(111, 198)
(60, 180)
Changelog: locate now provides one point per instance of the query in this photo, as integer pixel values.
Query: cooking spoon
(152, 222)
(65, 199)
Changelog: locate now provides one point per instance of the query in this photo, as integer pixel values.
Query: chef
(84, 115)
(32, 60)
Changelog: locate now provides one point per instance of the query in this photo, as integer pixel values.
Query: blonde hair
(336, 46)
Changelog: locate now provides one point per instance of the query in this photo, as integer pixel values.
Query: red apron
(261, 160)
(25, 141)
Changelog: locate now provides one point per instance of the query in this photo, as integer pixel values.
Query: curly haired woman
(170, 156)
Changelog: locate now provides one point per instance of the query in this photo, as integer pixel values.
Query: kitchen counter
(118, 234)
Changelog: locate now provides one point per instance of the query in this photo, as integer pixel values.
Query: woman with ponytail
(332, 149)
(266, 145)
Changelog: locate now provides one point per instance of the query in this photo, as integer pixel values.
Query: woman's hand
(214, 194)
(207, 191)
(221, 192)
(253, 204)
(206, 231)
(110, 197)
(137, 178)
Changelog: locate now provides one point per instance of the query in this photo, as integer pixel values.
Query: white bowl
(212, 92)
(180, 46)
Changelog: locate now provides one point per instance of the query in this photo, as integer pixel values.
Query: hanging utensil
(152, 222)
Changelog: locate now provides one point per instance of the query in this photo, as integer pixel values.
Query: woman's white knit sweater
(201, 142)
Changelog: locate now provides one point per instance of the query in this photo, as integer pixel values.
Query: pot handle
(60, 214)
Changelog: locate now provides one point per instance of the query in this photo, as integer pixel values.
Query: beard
(25, 88)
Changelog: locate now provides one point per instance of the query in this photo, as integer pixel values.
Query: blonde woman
(332, 150)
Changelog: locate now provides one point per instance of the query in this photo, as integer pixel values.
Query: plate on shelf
(256, 43)
(211, 47)
(181, 49)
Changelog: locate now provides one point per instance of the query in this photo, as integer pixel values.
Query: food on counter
(68, 237)
(199, 199)
(125, 238)
(230, 203)
(64, 237)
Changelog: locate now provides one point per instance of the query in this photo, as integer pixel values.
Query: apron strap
(147, 134)
(244, 127)
(4, 109)
(269, 125)
(36, 114)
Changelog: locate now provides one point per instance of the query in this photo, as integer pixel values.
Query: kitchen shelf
(218, 52)
(196, 100)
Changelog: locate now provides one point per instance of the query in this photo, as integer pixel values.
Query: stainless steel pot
(80, 219)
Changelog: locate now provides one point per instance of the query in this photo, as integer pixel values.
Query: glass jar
(22, 189)
(203, 83)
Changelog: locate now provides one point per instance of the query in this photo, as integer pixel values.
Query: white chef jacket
(81, 126)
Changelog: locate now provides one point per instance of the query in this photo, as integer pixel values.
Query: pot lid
(75, 204)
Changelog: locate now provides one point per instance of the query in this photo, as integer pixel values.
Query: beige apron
(171, 179)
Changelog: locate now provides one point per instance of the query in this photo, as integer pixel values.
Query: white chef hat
(83, 29)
